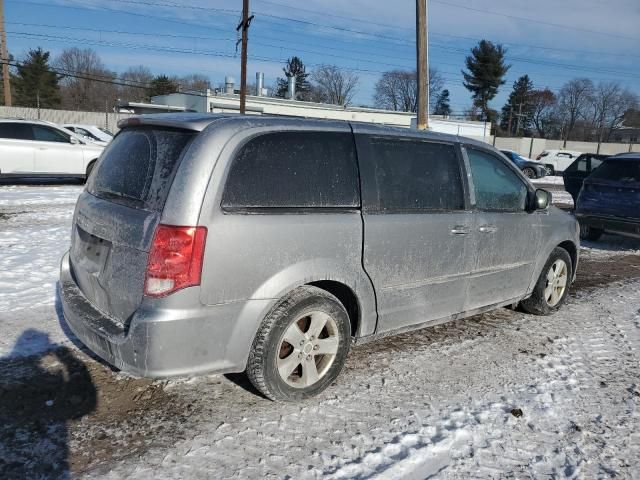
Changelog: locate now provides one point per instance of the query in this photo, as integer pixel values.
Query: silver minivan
(211, 243)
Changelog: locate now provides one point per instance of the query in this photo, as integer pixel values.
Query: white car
(33, 148)
(98, 135)
(557, 161)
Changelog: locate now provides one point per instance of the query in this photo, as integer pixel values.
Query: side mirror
(74, 141)
(542, 199)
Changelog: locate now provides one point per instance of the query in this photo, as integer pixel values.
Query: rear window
(619, 171)
(294, 170)
(138, 166)
(414, 175)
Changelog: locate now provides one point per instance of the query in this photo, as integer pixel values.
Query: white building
(216, 102)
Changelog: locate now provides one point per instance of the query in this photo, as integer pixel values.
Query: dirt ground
(95, 416)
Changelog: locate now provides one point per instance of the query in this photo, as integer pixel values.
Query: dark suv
(610, 198)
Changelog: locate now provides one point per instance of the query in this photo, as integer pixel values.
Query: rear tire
(301, 345)
(552, 287)
(529, 172)
(590, 233)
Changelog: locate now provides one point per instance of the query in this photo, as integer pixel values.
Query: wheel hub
(308, 348)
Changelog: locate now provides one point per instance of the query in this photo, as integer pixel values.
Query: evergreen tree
(294, 68)
(517, 113)
(35, 82)
(161, 85)
(442, 104)
(486, 73)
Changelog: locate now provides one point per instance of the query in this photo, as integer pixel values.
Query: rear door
(418, 239)
(17, 152)
(508, 237)
(116, 216)
(54, 152)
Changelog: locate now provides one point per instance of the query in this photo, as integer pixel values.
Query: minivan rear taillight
(175, 259)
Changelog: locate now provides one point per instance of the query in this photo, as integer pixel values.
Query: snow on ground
(501, 395)
(35, 230)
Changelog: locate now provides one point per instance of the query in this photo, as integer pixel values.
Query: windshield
(138, 166)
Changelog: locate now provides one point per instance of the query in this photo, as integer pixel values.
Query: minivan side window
(415, 175)
(16, 131)
(496, 186)
(299, 169)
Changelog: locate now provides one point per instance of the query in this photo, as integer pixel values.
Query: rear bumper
(162, 341)
(620, 226)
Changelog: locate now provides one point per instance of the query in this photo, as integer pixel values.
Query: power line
(396, 39)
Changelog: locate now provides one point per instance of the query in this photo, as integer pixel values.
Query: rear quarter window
(294, 170)
(138, 166)
(16, 131)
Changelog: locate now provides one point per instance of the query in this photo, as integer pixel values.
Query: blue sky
(551, 40)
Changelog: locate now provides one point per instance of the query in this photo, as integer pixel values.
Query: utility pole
(510, 118)
(422, 54)
(244, 25)
(519, 115)
(4, 54)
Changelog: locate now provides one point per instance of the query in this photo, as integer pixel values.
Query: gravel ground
(500, 395)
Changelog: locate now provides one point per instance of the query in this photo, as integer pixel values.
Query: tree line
(580, 110)
(77, 79)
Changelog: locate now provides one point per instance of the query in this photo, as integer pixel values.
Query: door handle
(460, 230)
(488, 229)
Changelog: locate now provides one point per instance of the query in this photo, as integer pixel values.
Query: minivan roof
(200, 121)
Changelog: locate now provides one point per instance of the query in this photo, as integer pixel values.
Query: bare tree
(335, 86)
(573, 103)
(398, 90)
(137, 80)
(543, 103)
(195, 82)
(86, 85)
(610, 102)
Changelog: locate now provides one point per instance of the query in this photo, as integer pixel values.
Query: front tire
(552, 287)
(550, 170)
(529, 172)
(301, 345)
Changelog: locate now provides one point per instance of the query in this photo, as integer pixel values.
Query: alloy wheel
(307, 349)
(557, 278)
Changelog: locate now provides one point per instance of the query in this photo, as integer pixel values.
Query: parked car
(557, 161)
(270, 244)
(610, 198)
(575, 174)
(96, 134)
(33, 148)
(530, 168)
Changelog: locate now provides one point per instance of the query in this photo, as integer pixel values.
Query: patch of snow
(35, 231)
(415, 406)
